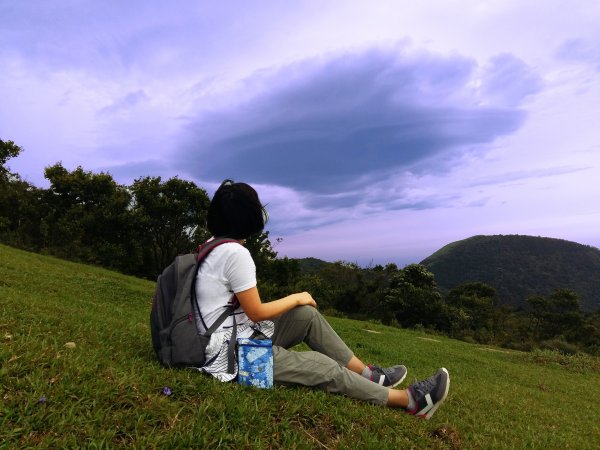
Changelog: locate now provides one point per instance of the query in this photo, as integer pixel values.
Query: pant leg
(314, 369)
(306, 324)
(323, 368)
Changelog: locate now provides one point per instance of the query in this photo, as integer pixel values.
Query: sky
(374, 132)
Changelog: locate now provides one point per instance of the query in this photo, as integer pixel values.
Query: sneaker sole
(436, 406)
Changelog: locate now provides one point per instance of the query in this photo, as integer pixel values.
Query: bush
(560, 346)
(333, 313)
(484, 336)
(522, 346)
(579, 362)
(593, 350)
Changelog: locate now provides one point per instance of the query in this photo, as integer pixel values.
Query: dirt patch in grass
(320, 430)
(449, 436)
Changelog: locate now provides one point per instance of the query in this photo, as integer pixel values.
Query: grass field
(77, 370)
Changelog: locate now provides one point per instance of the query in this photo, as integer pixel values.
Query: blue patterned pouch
(255, 361)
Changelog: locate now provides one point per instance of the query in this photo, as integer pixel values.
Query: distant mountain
(520, 266)
(311, 265)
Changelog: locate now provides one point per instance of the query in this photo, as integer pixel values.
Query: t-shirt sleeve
(240, 270)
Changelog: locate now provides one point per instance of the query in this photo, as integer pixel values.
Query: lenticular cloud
(336, 123)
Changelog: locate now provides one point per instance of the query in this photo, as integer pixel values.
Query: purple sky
(375, 131)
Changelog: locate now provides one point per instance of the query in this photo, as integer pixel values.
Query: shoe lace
(386, 370)
(383, 370)
(425, 385)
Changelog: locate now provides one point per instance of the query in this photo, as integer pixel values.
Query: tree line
(89, 217)
(138, 229)
(410, 298)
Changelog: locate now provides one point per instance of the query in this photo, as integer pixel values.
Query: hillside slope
(77, 370)
(520, 266)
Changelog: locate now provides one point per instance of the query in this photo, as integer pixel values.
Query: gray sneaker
(388, 377)
(429, 394)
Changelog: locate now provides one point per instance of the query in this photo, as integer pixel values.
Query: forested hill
(520, 266)
(311, 265)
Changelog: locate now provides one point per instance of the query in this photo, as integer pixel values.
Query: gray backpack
(175, 337)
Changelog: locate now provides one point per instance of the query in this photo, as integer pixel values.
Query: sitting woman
(236, 212)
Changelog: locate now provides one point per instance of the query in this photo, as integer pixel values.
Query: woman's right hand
(304, 298)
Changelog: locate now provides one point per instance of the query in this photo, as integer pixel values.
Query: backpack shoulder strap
(203, 251)
(208, 246)
(217, 323)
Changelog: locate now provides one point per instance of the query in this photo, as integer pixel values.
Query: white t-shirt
(228, 269)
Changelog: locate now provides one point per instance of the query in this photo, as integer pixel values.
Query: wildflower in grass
(42, 399)
(167, 391)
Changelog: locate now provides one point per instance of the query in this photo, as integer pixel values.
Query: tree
(589, 333)
(471, 308)
(344, 285)
(19, 203)
(538, 310)
(8, 150)
(20, 213)
(283, 273)
(86, 216)
(412, 298)
(556, 316)
(262, 253)
(170, 218)
(314, 284)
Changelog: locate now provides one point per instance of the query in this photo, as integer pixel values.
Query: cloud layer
(349, 129)
(400, 125)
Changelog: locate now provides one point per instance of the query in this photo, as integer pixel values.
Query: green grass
(108, 390)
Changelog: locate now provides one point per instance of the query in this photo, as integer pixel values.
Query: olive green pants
(325, 366)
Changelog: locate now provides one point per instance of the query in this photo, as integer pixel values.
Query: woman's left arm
(256, 310)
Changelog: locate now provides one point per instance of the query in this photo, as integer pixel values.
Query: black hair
(235, 211)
